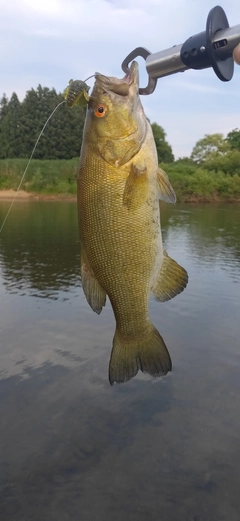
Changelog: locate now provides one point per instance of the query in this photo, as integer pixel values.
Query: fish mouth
(120, 86)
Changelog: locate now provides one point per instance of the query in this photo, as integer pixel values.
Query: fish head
(116, 124)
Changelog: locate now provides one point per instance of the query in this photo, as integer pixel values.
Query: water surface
(74, 448)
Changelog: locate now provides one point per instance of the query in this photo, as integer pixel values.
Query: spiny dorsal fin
(136, 187)
(172, 280)
(166, 192)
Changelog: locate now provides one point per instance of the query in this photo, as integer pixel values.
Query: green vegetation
(21, 123)
(49, 177)
(164, 150)
(199, 184)
(52, 176)
(212, 173)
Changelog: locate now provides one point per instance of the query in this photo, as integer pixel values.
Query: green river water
(74, 448)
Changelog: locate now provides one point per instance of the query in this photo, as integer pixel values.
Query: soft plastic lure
(76, 93)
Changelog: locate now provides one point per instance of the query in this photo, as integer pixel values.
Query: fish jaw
(126, 86)
(119, 135)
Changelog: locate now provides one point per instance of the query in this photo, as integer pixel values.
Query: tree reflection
(40, 250)
(211, 230)
(39, 246)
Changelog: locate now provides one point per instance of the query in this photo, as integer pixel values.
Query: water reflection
(210, 231)
(72, 447)
(40, 248)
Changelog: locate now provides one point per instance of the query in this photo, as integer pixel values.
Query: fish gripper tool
(210, 48)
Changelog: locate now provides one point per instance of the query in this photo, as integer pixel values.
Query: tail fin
(147, 352)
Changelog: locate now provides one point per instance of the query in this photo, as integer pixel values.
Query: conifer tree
(21, 123)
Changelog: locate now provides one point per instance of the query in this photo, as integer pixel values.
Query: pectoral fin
(136, 188)
(166, 192)
(94, 293)
(172, 280)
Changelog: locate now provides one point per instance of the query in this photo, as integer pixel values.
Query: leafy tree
(183, 166)
(62, 136)
(3, 107)
(21, 123)
(8, 125)
(3, 134)
(209, 147)
(164, 150)
(233, 139)
(12, 127)
(228, 163)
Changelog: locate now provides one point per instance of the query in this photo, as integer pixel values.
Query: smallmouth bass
(122, 256)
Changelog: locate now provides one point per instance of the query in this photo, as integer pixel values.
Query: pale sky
(51, 41)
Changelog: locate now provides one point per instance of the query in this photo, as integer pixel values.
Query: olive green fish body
(123, 247)
(122, 257)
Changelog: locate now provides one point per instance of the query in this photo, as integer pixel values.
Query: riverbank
(8, 195)
(21, 195)
(52, 180)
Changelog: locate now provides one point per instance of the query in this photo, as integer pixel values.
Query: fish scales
(109, 230)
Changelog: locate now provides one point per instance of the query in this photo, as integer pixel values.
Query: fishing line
(25, 171)
(96, 74)
(93, 76)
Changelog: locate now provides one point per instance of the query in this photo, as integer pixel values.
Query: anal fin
(172, 280)
(94, 293)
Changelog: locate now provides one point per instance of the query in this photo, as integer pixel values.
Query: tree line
(21, 122)
(218, 154)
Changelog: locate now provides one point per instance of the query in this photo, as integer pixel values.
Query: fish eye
(100, 110)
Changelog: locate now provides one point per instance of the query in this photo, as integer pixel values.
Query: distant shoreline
(21, 195)
(55, 180)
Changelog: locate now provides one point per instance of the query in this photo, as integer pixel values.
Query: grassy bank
(54, 177)
(196, 184)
